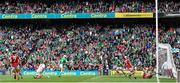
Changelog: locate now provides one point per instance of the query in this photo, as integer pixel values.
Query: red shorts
(15, 64)
(15, 67)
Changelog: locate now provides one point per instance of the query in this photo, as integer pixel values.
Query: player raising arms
(40, 70)
(129, 67)
(15, 62)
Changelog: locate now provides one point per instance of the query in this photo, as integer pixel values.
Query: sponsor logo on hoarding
(29, 73)
(137, 73)
(172, 14)
(134, 15)
(39, 16)
(69, 73)
(98, 15)
(66, 73)
(55, 15)
(9, 16)
(68, 15)
(88, 73)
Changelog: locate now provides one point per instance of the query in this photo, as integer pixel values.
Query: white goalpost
(178, 77)
(166, 65)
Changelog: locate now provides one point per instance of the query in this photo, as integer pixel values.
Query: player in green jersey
(62, 63)
(118, 67)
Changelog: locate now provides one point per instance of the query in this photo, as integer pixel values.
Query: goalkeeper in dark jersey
(62, 63)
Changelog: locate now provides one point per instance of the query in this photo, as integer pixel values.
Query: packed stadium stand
(89, 45)
(169, 6)
(80, 6)
(97, 37)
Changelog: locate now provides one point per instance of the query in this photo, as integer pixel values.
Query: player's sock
(35, 77)
(17, 77)
(129, 76)
(21, 75)
(124, 73)
(60, 73)
(14, 76)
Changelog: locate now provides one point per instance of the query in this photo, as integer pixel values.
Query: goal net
(166, 63)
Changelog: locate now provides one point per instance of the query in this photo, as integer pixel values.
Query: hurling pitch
(7, 78)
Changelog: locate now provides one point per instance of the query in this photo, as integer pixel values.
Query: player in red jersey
(148, 72)
(15, 62)
(129, 67)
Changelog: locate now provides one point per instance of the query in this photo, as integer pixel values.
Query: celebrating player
(15, 61)
(40, 70)
(129, 67)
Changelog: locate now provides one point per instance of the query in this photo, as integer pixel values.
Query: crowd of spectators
(171, 35)
(87, 47)
(169, 7)
(76, 7)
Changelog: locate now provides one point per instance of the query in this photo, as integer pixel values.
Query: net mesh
(166, 64)
(162, 59)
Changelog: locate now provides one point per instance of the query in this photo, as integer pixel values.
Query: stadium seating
(169, 7)
(76, 7)
(86, 46)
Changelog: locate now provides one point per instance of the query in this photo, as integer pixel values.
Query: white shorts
(117, 68)
(61, 66)
(39, 72)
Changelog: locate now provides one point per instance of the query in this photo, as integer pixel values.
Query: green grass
(7, 78)
(167, 80)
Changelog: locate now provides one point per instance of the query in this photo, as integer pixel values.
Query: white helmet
(65, 56)
(125, 57)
